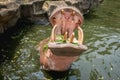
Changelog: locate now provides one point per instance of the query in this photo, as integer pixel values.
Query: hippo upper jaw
(66, 19)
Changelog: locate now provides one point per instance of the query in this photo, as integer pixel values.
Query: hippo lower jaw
(59, 57)
(57, 63)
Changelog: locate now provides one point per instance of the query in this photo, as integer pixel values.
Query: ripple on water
(100, 62)
(102, 59)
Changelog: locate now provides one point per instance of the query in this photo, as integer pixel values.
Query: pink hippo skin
(49, 61)
(66, 19)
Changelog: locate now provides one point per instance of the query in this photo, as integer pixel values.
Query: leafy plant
(45, 47)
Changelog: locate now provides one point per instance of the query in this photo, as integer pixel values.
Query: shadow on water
(8, 44)
(91, 15)
(9, 41)
(56, 74)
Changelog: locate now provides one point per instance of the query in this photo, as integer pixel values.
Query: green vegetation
(60, 39)
(45, 47)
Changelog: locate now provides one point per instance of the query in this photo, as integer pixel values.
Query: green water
(20, 61)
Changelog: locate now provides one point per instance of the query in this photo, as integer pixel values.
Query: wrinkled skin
(63, 20)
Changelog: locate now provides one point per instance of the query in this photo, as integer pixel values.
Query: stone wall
(9, 14)
(35, 10)
(83, 5)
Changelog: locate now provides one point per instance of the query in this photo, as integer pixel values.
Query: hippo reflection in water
(62, 48)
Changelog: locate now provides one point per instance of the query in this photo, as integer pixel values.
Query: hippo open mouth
(62, 48)
(66, 19)
(63, 42)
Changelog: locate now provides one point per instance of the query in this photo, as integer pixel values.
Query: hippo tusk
(65, 36)
(52, 39)
(72, 37)
(80, 35)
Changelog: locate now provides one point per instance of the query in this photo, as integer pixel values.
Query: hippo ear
(80, 35)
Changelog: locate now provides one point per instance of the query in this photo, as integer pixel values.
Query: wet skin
(64, 22)
(49, 61)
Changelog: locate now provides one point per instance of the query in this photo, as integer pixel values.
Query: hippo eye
(54, 18)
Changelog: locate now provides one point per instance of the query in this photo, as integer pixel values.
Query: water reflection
(100, 62)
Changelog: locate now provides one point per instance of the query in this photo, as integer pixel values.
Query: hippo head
(59, 56)
(64, 21)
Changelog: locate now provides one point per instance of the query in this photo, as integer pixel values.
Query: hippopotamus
(55, 56)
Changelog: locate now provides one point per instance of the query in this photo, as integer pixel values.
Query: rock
(31, 7)
(50, 6)
(83, 5)
(32, 10)
(35, 10)
(9, 14)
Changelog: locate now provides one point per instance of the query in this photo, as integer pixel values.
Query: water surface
(20, 61)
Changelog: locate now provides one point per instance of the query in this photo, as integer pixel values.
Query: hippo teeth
(71, 38)
(53, 34)
(62, 11)
(80, 35)
(65, 35)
